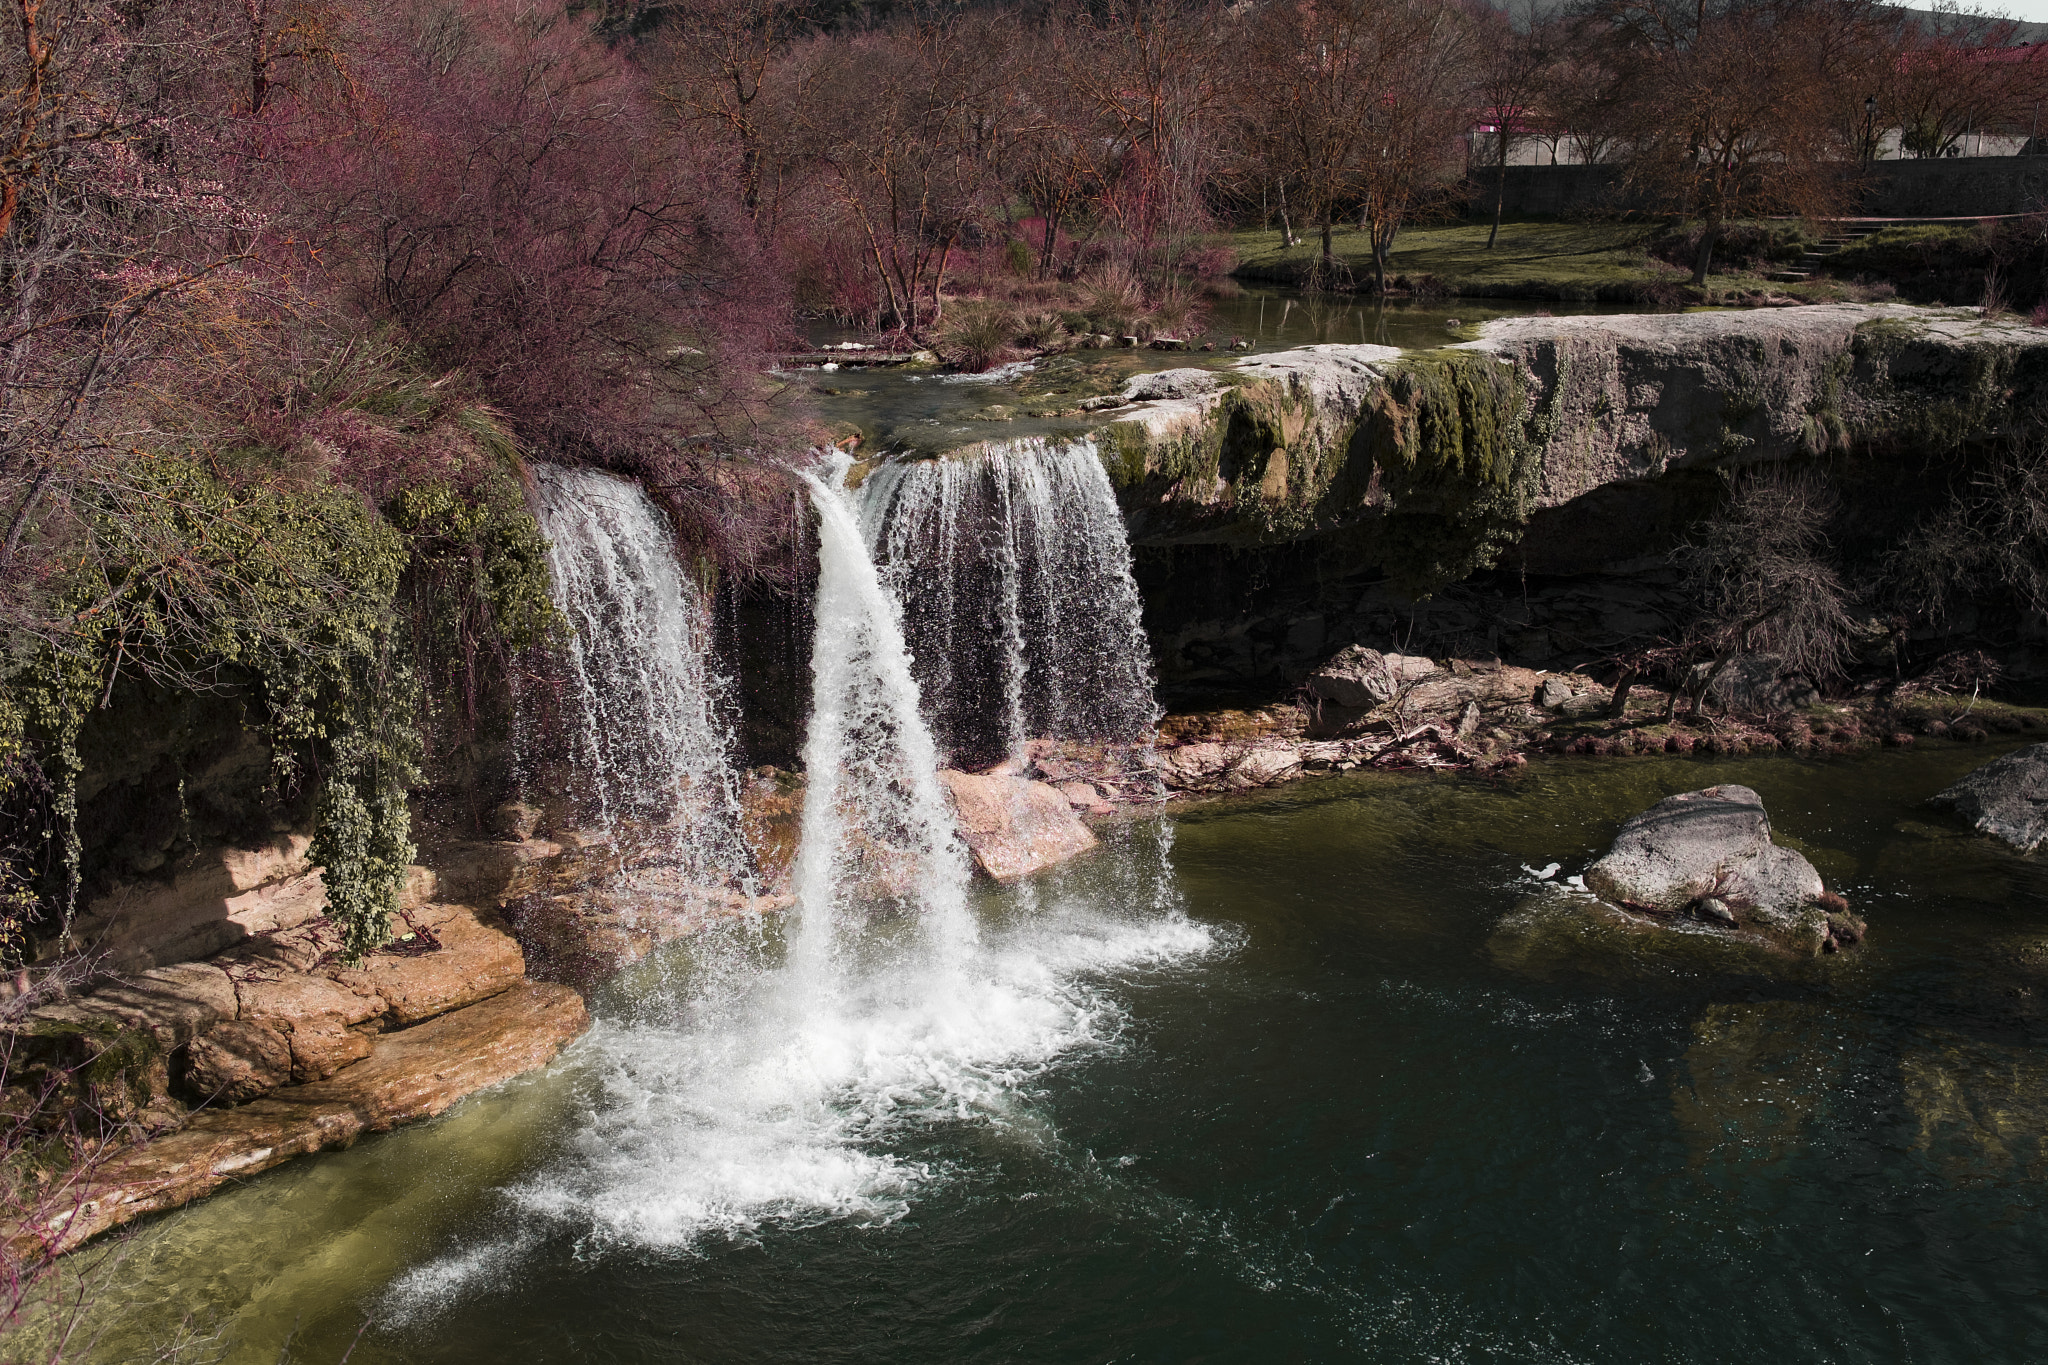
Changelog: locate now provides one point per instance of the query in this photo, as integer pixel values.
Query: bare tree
(1726, 109)
(1153, 74)
(719, 63)
(1760, 575)
(1511, 74)
(1359, 104)
(1951, 73)
(901, 121)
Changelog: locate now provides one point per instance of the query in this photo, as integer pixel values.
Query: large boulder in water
(1709, 853)
(2007, 798)
(1012, 826)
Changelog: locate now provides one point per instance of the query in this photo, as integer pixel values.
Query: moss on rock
(1457, 465)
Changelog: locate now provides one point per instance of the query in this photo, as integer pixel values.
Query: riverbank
(1606, 262)
(1486, 718)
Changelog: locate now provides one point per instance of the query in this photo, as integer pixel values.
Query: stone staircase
(1841, 235)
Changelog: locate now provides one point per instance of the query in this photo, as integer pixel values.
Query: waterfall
(647, 740)
(1014, 576)
(749, 1087)
(876, 825)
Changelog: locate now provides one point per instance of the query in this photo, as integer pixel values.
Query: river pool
(1273, 1078)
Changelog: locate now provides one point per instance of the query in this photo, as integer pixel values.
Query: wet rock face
(2007, 798)
(1015, 827)
(1708, 854)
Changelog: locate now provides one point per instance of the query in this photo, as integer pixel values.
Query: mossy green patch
(312, 602)
(1457, 462)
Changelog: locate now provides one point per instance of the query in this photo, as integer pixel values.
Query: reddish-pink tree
(511, 199)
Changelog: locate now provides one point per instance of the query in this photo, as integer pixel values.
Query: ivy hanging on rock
(316, 606)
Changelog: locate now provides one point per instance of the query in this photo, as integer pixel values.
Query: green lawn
(1577, 261)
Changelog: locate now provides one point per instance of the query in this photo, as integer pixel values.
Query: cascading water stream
(740, 1089)
(876, 827)
(649, 748)
(1014, 574)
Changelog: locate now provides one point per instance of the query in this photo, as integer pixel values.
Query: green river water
(1291, 1077)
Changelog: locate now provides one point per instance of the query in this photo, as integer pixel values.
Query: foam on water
(793, 1115)
(759, 1103)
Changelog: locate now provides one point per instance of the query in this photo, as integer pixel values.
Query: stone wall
(1962, 187)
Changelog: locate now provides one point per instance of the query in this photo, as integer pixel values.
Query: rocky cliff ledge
(1538, 412)
(187, 1074)
(1514, 494)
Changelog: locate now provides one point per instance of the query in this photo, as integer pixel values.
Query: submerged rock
(1015, 827)
(1981, 1107)
(2007, 798)
(1560, 932)
(1714, 845)
(1756, 1076)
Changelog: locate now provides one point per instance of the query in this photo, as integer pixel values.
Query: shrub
(977, 340)
(1113, 297)
(1042, 332)
(1742, 246)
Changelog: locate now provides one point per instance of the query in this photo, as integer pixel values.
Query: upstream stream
(1265, 1080)
(926, 410)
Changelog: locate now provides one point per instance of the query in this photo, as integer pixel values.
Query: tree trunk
(1500, 196)
(1329, 254)
(1619, 708)
(1708, 236)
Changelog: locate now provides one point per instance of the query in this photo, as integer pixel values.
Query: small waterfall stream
(1014, 575)
(649, 745)
(875, 825)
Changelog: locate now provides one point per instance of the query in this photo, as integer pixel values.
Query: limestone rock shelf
(218, 1069)
(407, 1076)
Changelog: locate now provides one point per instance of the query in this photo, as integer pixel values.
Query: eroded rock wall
(1517, 494)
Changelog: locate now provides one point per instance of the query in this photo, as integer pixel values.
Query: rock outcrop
(2007, 798)
(277, 1047)
(407, 1076)
(1709, 854)
(1013, 826)
(219, 898)
(1309, 497)
(1603, 399)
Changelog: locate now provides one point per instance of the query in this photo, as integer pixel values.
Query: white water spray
(819, 1088)
(1014, 573)
(876, 826)
(647, 735)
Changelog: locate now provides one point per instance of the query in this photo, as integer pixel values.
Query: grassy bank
(1580, 262)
